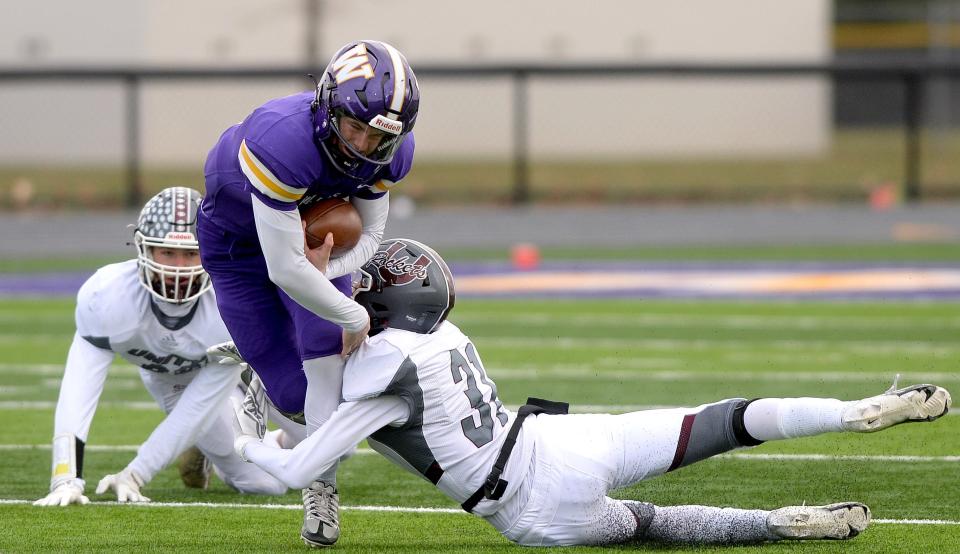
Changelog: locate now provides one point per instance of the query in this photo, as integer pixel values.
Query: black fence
(913, 77)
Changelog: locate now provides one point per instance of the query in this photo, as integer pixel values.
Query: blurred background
(644, 203)
(626, 101)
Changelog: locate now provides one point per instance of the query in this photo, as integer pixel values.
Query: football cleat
(834, 521)
(194, 468)
(914, 403)
(321, 515)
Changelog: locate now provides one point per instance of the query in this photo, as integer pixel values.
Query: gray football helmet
(168, 222)
(406, 285)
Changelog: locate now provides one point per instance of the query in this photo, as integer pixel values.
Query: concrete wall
(589, 118)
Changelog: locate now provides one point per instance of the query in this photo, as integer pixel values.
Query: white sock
(274, 438)
(293, 432)
(786, 418)
(324, 384)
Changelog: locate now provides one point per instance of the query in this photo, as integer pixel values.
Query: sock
(785, 418)
(708, 525)
(324, 383)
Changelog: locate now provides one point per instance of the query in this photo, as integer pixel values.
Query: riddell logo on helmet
(179, 236)
(396, 270)
(385, 124)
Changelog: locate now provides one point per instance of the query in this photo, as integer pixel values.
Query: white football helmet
(169, 221)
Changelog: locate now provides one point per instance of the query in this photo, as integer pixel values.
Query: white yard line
(398, 509)
(50, 404)
(876, 348)
(121, 368)
(150, 406)
(622, 368)
(835, 458)
(120, 448)
(734, 456)
(937, 348)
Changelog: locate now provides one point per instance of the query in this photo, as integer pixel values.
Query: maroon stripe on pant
(684, 440)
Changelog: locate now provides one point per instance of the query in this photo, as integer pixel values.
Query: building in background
(598, 118)
(900, 31)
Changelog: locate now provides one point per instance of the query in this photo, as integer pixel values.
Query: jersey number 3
(461, 368)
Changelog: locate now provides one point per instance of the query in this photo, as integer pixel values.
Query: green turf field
(608, 355)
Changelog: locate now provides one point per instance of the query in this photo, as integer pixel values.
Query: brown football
(336, 216)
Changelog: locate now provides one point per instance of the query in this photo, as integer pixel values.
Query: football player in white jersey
(418, 390)
(159, 313)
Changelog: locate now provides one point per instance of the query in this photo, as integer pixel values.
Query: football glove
(225, 353)
(249, 422)
(126, 484)
(64, 493)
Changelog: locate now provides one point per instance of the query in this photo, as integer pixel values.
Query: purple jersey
(273, 155)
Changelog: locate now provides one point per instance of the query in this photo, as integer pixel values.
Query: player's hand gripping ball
(336, 216)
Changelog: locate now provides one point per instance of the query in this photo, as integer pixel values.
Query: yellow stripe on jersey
(264, 180)
(383, 185)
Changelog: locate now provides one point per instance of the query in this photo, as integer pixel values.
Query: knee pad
(643, 512)
(715, 429)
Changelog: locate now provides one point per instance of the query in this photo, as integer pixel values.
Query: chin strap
(315, 105)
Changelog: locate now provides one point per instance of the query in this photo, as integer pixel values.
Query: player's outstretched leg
(710, 525)
(321, 515)
(914, 403)
(783, 418)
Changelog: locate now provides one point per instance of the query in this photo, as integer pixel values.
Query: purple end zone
(67, 284)
(42, 284)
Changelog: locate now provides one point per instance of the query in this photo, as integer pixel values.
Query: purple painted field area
(761, 280)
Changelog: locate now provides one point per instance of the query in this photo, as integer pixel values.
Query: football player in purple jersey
(350, 138)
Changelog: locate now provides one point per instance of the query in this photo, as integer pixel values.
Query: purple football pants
(273, 333)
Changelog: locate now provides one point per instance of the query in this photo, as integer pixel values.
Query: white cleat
(915, 403)
(321, 515)
(834, 521)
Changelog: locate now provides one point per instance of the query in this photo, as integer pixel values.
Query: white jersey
(116, 315)
(457, 423)
(114, 312)
(426, 403)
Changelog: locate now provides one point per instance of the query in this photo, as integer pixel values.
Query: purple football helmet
(368, 95)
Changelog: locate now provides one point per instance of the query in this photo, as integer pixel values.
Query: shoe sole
(840, 521)
(930, 391)
(316, 544)
(864, 424)
(194, 469)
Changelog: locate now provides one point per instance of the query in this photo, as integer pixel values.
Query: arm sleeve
(281, 239)
(349, 424)
(83, 379)
(192, 415)
(373, 213)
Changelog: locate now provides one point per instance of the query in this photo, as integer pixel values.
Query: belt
(493, 487)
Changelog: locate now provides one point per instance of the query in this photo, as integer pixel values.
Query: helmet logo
(397, 269)
(352, 64)
(174, 235)
(386, 124)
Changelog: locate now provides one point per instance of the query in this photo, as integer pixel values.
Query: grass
(599, 355)
(893, 252)
(855, 162)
